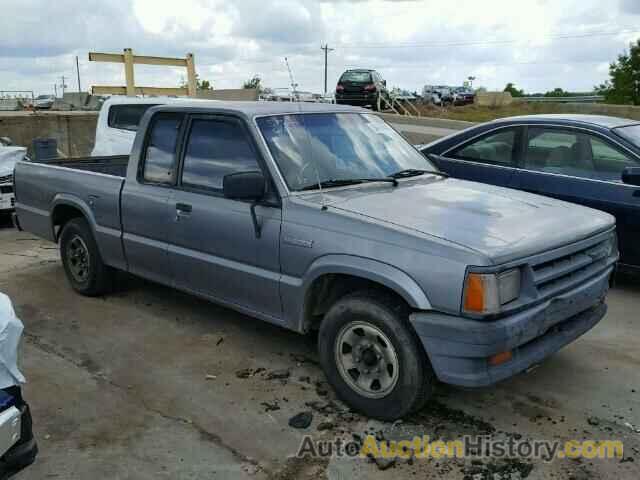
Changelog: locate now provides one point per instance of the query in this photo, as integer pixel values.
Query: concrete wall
(232, 94)
(493, 99)
(74, 131)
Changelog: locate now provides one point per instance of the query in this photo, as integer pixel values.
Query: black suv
(360, 87)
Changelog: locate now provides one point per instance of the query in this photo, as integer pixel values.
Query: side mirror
(631, 175)
(384, 82)
(244, 185)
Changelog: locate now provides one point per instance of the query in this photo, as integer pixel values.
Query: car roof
(598, 120)
(252, 109)
(122, 99)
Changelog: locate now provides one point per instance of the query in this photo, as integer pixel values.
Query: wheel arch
(333, 276)
(66, 207)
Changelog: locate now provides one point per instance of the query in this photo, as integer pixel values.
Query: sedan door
(215, 249)
(586, 168)
(491, 158)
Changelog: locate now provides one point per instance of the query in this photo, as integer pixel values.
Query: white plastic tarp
(10, 332)
(8, 158)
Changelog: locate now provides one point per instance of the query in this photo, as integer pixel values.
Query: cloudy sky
(538, 44)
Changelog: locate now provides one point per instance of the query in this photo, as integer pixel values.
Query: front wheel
(83, 265)
(372, 357)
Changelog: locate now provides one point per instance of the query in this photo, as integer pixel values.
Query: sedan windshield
(630, 132)
(334, 148)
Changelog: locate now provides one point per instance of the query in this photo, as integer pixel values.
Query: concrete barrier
(232, 94)
(493, 99)
(74, 131)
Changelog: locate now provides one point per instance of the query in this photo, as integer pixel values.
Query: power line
(484, 42)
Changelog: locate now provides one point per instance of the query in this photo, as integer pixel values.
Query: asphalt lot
(149, 383)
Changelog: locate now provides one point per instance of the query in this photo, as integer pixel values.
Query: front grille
(553, 275)
(6, 189)
(6, 179)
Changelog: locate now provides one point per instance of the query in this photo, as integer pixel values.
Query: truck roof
(253, 109)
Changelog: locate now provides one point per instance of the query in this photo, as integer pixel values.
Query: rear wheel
(83, 265)
(372, 357)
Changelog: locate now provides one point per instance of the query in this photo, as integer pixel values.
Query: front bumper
(7, 200)
(459, 348)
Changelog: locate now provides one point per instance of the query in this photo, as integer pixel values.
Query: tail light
(339, 88)
(370, 88)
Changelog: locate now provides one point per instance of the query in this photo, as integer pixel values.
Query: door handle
(183, 210)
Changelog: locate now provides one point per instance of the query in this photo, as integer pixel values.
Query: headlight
(486, 293)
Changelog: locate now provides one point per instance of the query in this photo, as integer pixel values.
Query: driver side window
(496, 148)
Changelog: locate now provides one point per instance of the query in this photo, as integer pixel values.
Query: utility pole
(78, 72)
(326, 53)
(55, 89)
(63, 85)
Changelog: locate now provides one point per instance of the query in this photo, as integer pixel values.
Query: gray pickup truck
(322, 217)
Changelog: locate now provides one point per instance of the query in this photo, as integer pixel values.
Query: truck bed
(115, 165)
(91, 185)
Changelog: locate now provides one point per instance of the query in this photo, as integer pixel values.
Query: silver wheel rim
(78, 259)
(366, 359)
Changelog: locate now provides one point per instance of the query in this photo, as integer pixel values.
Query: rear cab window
(160, 165)
(127, 117)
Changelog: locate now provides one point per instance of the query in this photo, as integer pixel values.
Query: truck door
(213, 246)
(146, 215)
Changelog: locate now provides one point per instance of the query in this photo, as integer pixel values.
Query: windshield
(317, 148)
(630, 132)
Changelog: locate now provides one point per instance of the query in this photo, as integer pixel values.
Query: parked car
(43, 102)
(279, 95)
(360, 87)
(18, 448)
(315, 216)
(118, 122)
(463, 96)
(9, 155)
(438, 95)
(584, 159)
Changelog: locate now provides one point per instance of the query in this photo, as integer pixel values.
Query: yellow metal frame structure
(129, 60)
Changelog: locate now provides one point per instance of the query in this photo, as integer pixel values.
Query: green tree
(511, 88)
(556, 92)
(623, 86)
(254, 82)
(200, 84)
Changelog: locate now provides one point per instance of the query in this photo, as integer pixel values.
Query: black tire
(98, 279)
(415, 377)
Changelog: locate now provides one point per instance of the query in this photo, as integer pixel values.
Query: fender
(294, 291)
(76, 202)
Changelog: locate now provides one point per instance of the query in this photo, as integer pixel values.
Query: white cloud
(410, 42)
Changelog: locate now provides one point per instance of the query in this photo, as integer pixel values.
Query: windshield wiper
(414, 172)
(340, 182)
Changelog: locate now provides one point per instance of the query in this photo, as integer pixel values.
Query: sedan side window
(608, 161)
(216, 148)
(160, 156)
(558, 151)
(497, 149)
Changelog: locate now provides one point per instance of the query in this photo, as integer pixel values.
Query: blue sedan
(586, 159)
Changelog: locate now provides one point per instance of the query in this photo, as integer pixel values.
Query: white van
(119, 119)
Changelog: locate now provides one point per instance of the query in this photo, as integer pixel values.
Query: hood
(8, 158)
(500, 223)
